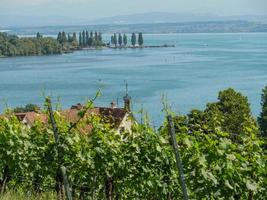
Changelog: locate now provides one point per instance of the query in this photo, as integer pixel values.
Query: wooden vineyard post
(55, 131)
(66, 183)
(177, 157)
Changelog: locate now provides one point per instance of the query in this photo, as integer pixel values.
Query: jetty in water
(141, 47)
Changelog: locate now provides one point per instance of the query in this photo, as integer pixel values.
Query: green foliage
(133, 39)
(80, 39)
(21, 195)
(87, 37)
(11, 45)
(115, 40)
(74, 40)
(26, 108)
(140, 39)
(232, 110)
(139, 164)
(83, 39)
(38, 35)
(124, 39)
(120, 39)
(90, 40)
(263, 115)
(64, 38)
(59, 37)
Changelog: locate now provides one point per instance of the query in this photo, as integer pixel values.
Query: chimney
(127, 100)
(113, 104)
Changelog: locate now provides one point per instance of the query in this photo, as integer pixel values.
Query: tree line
(12, 45)
(122, 40)
(86, 39)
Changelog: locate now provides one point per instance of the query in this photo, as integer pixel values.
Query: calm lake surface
(191, 74)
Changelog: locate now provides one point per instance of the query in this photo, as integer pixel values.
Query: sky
(93, 9)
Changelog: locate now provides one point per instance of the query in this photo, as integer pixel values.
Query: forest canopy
(12, 45)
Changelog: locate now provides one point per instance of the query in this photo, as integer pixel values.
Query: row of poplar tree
(86, 39)
(122, 40)
(94, 39)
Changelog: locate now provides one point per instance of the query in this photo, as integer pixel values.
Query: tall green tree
(100, 37)
(64, 37)
(69, 38)
(115, 39)
(38, 35)
(87, 37)
(120, 40)
(96, 36)
(91, 39)
(112, 40)
(83, 39)
(233, 110)
(74, 40)
(80, 40)
(59, 37)
(140, 39)
(133, 39)
(124, 39)
(262, 119)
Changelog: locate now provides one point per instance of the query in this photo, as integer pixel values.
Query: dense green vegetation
(263, 115)
(91, 39)
(26, 108)
(122, 40)
(86, 39)
(221, 149)
(11, 45)
(21, 195)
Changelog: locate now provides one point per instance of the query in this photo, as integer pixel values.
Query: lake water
(191, 74)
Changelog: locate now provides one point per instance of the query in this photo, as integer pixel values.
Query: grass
(19, 195)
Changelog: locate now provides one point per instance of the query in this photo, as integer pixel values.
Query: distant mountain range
(143, 18)
(164, 17)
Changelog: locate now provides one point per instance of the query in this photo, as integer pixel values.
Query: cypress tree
(96, 37)
(38, 35)
(87, 38)
(64, 37)
(59, 37)
(80, 39)
(120, 39)
(83, 39)
(74, 39)
(124, 39)
(112, 40)
(115, 39)
(133, 39)
(100, 37)
(69, 38)
(140, 39)
(91, 39)
(263, 115)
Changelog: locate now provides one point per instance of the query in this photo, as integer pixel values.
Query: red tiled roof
(30, 117)
(113, 116)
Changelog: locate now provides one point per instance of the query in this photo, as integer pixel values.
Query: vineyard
(221, 149)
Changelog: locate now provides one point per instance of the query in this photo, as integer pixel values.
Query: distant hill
(165, 17)
(181, 27)
(142, 18)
